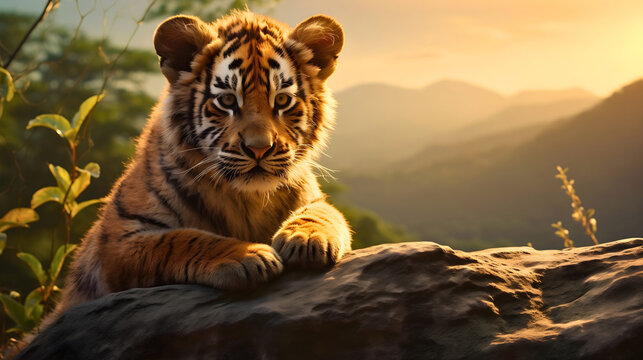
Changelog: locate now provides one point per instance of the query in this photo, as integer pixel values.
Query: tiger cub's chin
(257, 181)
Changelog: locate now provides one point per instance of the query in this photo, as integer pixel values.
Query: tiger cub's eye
(281, 100)
(228, 100)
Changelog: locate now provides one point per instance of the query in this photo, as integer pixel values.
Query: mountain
(481, 147)
(547, 96)
(523, 116)
(378, 124)
(484, 196)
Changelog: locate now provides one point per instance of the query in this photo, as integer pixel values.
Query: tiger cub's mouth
(258, 171)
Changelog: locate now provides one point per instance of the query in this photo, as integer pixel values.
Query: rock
(396, 301)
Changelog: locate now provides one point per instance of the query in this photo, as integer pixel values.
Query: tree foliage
(368, 228)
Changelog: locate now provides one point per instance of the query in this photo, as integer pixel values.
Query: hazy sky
(504, 45)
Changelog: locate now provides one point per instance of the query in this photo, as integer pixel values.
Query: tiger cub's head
(247, 95)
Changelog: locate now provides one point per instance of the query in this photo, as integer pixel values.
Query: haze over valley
(477, 170)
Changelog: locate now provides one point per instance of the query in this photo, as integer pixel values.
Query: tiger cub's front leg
(315, 235)
(188, 256)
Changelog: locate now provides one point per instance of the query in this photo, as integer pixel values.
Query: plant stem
(68, 227)
(113, 62)
(73, 163)
(591, 234)
(48, 7)
(4, 332)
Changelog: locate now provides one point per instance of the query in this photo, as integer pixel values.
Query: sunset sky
(504, 45)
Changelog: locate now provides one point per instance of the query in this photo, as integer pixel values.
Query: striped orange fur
(221, 191)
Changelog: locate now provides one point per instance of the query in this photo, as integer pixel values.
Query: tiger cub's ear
(177, 40)
(324, 36)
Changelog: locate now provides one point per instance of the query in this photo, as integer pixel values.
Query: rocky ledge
(398, 301)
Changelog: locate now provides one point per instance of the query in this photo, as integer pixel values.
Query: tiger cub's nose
(257, 150)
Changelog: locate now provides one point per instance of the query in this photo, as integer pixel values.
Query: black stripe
(274, 64)
(266, 75)
(281, 152)
(232, 48)
(236, 63)
(160, 242)
(278, 49)
(292, 134)
(234, 81)
(208, 79)
(104, 237)
(191, 200)
(235, 35)
(206, 132)
(285, 82)
(215, 142)
(231, 159)
(196, 253)
(131, 233)
(161, 267)
(129, 216)
(316, 115)
(162, 199)
(268, 32)
(187, 198)
(301, 92)
(192, 240)
(221, 84)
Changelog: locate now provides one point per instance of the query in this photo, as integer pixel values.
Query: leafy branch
(66, 192)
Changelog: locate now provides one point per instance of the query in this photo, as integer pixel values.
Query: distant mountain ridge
(379, 123)
(480, 194)
(523, 115)
(545, 96)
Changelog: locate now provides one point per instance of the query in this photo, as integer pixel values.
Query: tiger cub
(221, 190)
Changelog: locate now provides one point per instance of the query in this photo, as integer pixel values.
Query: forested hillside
(507, 194)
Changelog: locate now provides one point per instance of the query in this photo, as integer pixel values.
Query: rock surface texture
(398, 301)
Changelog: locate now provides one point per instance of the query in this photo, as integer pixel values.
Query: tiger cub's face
(247, 94)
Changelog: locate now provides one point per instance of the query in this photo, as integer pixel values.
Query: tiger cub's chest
(243, 218)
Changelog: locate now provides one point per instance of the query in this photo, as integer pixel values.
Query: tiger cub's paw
(304, 242)
(258, 263)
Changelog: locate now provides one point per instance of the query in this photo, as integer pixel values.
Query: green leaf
(3, 242)
(14, 309)
(70, 135)
(50, 193)
(62, 176)
(79, 185)
(10, 88)
(92, 168)
(84, 178)
(35, 265)
(55, 122)
(18, 217)
(33, 306)
(83, 111)
(78, 207)
(59, 259)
